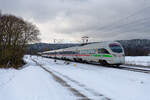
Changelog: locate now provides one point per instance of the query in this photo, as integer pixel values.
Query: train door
(92, 55)
(104, 55)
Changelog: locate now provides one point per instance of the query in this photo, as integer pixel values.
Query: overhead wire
(123, 19)
(129, 25)
(118, 25)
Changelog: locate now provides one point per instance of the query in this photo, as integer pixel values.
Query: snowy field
(138, 60)
(31, 83)
(95, 82)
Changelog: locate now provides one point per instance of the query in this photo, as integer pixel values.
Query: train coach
(105, 53)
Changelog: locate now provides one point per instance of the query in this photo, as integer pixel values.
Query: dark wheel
(117, 65)
(84, 61)
(103, 63)
(75, 59)
(80, 60)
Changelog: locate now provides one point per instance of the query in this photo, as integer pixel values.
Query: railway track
(122, 67)
(129, 68)
(136, 69)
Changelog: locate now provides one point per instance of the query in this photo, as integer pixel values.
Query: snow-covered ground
(138, 60)
(31, 83)
(95, 82)
(112, 83)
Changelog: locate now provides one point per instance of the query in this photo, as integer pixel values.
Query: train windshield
(115, 48)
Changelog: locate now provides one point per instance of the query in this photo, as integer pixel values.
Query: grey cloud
(96, 18)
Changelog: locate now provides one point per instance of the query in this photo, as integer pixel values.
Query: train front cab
(117, 52)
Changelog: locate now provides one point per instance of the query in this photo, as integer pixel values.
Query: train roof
(92, 45)
(70, 48)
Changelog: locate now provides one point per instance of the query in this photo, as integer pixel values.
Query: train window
(115, 48)
(83, 52)
(99, 50)
(92, 51)
(103, 51)
(80, 52)
(52, 53)
(59, 52)
(68, 52)
(74, 52)
(89, 51)
(63, 52)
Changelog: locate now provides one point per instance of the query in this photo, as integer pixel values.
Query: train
(104, 53)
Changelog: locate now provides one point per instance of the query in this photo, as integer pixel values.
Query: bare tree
(15, 34)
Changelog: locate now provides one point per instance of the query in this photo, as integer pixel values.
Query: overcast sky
(69, 20)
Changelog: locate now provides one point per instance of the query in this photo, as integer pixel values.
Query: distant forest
(134, 47)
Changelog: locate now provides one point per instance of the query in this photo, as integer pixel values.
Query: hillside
(136, 47)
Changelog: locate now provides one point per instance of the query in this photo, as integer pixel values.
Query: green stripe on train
(98, 55)
(106, 55)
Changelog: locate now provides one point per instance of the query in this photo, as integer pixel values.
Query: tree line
(15, 34)
(136, 47)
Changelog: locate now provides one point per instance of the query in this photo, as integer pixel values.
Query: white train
(105, 53)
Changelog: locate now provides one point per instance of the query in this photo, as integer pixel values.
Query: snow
(113, 83)
(31, 83)
(138, 60)
(95, 82)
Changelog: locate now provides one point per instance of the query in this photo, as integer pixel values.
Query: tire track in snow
(57, 77)
(93, 93)
(64, 83)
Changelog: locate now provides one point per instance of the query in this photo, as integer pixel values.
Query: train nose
(119, 58)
